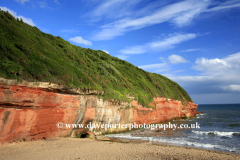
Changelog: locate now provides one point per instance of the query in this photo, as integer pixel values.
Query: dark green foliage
(26, 53)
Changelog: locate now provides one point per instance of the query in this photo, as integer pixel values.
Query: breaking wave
(217, 133)
(176, 141)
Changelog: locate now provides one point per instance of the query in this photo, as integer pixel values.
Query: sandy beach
(75, 148)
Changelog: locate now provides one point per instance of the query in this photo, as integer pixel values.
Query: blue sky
(193, 42)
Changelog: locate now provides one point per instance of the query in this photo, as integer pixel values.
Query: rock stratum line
(30, 111)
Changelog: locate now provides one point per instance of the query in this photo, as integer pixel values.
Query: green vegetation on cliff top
(26, 53)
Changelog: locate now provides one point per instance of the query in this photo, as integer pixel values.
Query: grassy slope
(29, 54)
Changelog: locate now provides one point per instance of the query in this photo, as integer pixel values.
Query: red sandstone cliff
(30, 111)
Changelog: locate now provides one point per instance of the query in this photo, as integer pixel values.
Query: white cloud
(27, 20)
(209, 84)
(204, 64)
(176, 59)
(164, 66)
(169, 42)
(232, 87)
(152, 66)
(22, 1)
(105, 51)
(159, 67)
(191, 50)
(123, 57)
(180, 13)
(226, 5)
(14, 14)
(123, 8)
(223, 7)
(134, 50)
(113, 9)
(192, 9)
(230, 63)
(220, 75)
(160, 45)
(80, 40)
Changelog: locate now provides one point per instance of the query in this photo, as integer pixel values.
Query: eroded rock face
(165, 110)
(32, 112)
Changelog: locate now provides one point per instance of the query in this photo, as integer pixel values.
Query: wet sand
(74, 148)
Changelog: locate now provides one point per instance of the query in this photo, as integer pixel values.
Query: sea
(218, 129)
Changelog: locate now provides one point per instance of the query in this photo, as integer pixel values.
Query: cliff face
(31, 111)
(29, 54)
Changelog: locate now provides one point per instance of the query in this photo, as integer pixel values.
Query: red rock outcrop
(165, 110)
(30, 111)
